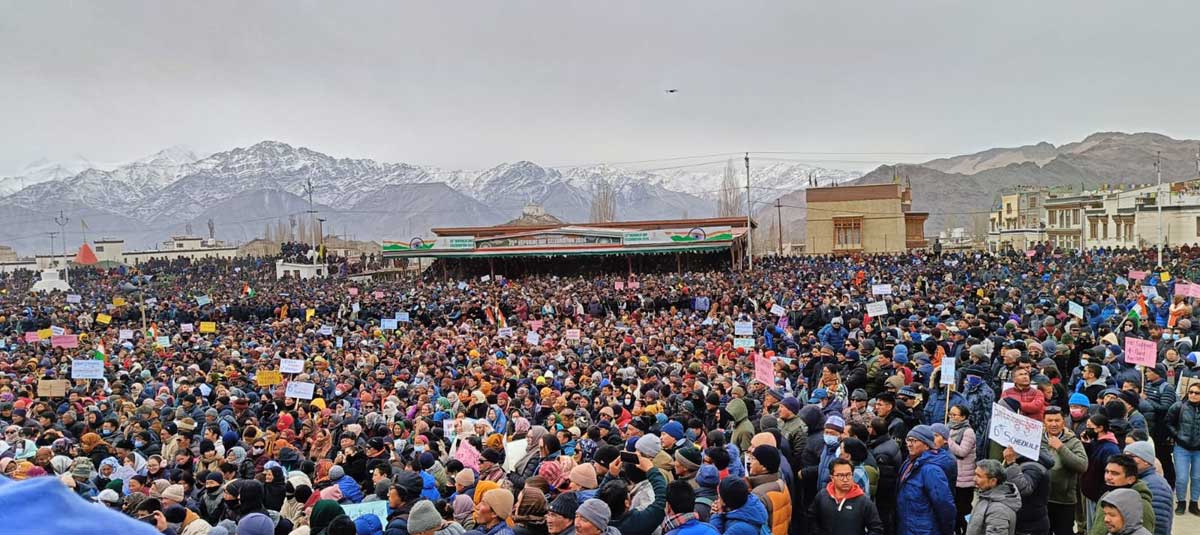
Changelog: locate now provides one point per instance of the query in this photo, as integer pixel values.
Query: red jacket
(1033, 402)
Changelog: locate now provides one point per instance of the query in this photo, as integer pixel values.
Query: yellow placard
(103, 319)
(268, 377)
(1164, 276)
(45, 334)
(308, 314)
(118, 301)
(208, 326)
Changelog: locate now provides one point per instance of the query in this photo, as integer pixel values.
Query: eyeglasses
(843, 476)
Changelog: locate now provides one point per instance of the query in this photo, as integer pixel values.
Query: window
(1075, 216)
(100, 248)
(1092, 225)
(1198, 226)
(179, 246)
(1105, 226)
(847, 233)
(1033, 202)
(1008, 209)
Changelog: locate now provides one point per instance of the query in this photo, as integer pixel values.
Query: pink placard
(535, 325)
(763, 371)
(378, 294)
(633, 285)
(1031, 253)
(1187, 290)
(1138, 351)
(66, 341)
(354, 291)
(1135, 275)
(32, 337)
(620, 285)
(782, 323)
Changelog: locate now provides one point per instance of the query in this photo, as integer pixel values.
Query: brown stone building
(876, 218)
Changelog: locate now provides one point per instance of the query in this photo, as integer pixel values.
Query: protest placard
(208, 327)
(1023, 433)
(532, 338)
(619, 285)
(291, 366)
(402, 317)
(87, 369)
(45, 334)
(202, 300)
(536, 325)
(764, 372)
(163, 341)
(379, 508)
(881, 289)
(747, 343)
(125, 334)
(65, 341)
(1135, 275)
(268, 377)
(574, 334)
(778, 310)
(57, 331)
(187, 328)
(299, 390)
(1150, 292)
(949, 369)
(877, 309)
(74, 298)
(338, 342)
(353, 292)
(1075, 309)
(326, 330)
(31, 337)
(118, 301)
(1138, 351)
(53, 388)
(388, 324)
(103, 319)
(743, 328)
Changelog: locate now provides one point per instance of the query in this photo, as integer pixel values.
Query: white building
(191, 247)
(300, 271)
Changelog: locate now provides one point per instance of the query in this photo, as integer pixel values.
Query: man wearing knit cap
(940, 455)
(492, 512)
(1143, 455)
(560, 517)
(924, 492)
(791, 426)
(582, 480)
(769, 487)
(650, 447)
(687, 462)
(424, 519)
(672, 437)
(591, 518)
(835, 427)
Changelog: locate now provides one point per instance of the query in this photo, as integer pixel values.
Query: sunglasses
(1196, 392)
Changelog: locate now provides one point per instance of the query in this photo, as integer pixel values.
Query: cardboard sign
(1138, 351)
(125, 334)
(118, 301)
(1137, 275)
(187, 328)
(53, 388)
(743, 328)
(163, 341)
(536, 325)
(747, 343)
(388, 324)
(309, 313)
(485, 278)
(1150, 292)
(619, 285)
(45, 334)
(87, 369)
(1075, 309)
(1164, 276)
(881, 289)
(1187, 290)
(208, 327)
(574, 334)
(103, 319)
(403, 317)
(764, 372)
(504, 332)
(1031, 253)
(65, 341)
(877, 309)
(379, 508)
(291, 366)
(74, 298)
(298, 390)
(268, 377)
(1122, 281)
(949, 370)
(533, 338)
(31, 337)
(326, 330)
(202, 300)
(778, 310)
(1023, 433)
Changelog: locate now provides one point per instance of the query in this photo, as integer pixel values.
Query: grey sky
(472, 84)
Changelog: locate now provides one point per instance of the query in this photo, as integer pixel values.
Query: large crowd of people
(774, 401)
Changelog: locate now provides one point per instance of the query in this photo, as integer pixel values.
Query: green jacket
(743, 430)
(1070, 462)
(795, 432)
(1098, 527)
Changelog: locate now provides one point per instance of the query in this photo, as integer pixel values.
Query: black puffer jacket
(1183, 424)
(1032, 480)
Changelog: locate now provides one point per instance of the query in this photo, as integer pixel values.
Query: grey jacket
(1129, 503)
(995, 511)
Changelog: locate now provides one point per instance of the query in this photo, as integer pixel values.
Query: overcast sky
(471, 84)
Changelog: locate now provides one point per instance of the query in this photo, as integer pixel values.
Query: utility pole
(749, 223)
(1158, 200)
(62, 221)
(779, 219)
(308, 188)
(52, 235)
(321, 237)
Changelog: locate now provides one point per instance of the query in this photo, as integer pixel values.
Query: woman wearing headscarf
(528, 464)
(237, 457)
(529, 515)
(95, 448)
(275, 488)
(104, 472)
(328, 518)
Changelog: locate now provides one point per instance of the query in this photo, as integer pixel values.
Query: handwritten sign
(74, 298)
(1075, 309)
(338, 342)
(1187, 290)
(778, 310)
(877, 309)
(379, 508)
(1137, 275)
(65, 341)
(388, 324)
(187, 328)
(87, 369)
(31, 337)
(619, 285)
(881, 289)
(764, 372)
(1138, 351)
(504, 332)
(1023, 433)
(208, 327)
(57, 331)
(268, 377)
(536, 325)
(125, 334)
(53, 388)
(118, 301)
(291, 366)
(747, 343)
(163, 341)
(949, 370)
(299, 390)
(743, 328)
(402, 317)
(532, 338)
(326, 330)
(1150, 292)
(633, 285)
(45, 334)
(353, 292)
(378, 294)
(103, 319)
(202, 300)
(574, 334)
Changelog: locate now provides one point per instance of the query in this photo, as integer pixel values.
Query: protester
(842, 508)
(995, 512)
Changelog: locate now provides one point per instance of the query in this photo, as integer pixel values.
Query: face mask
(830, 440)
(214, 491)
(1078, 413)
(232, 505)
(1091, 434)
(418, 449)
(258, 451)
(139, 444)
(105, 432)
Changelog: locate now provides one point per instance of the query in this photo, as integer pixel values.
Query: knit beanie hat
(835, 423)
(424, 517)
(1080, 399)
(1142, 450)
(83, 468)
(465, 477)
(500, 500)
(674, 429)
(648, 446)
(768, 457)
(256, 524)
(923, 433)
(336, 472)
(941, 429)
(583, 476)
(174, 493)
(596, 512)
(734, 492)
(689, 457)
(565, 505)
(792, 404)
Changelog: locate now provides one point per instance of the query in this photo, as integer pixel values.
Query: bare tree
(729, 201)
(604, 202)
(267, 231)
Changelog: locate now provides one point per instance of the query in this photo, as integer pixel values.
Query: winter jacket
(350, 489)
(853, 515)
(979, 404)
(1160, 396)
(1033, 482)
(1127, 504)
(925, 499)
(501, 528)
(1183, 424)
(1033, 401)
(1070, 462)
(691, 527)
(743, 430)
(1162, 500)
(888, 460)
(647, 519)
(1091, 485)
(777, 499)
(429, 489)
(835, 337)
(963, 452)
(995, 511)
(936, 407)
(949, 466)
(795, 432)
(748, 519)
(1147, 512)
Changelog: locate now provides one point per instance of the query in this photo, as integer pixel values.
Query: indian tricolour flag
(99, 353)
(247, 291)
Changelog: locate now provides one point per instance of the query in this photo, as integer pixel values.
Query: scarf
(675, 521)
(957, 430)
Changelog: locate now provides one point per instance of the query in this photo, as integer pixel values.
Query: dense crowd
(763, 402)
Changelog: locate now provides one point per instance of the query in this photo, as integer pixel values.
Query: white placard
(402, 317)
(778, 309)
(504, 332)
(1076, 309)
(74, 298)
(291, 366)
(57, 331)
(125, 334)
(574, 334)
(533, 338)
(298, 390)
(878, 309)
(87, 369)
(485, 278)
(948, 370)
(187, 328)
(1150, 292)
(747, 343)
(387, 324)
(339, 342)
(326, 330)
(355, 307)
(881, 289)
(1023, 433)
(743, 328)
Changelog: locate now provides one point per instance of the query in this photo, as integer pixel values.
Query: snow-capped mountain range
(244, 189)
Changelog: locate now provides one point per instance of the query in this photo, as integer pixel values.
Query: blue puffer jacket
(936, 407)
(748, 519)
(947, 463)
(429, 490)
(835, 337)
(350, 489)
(925, 499)
(1163, 500)
(693, 527)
